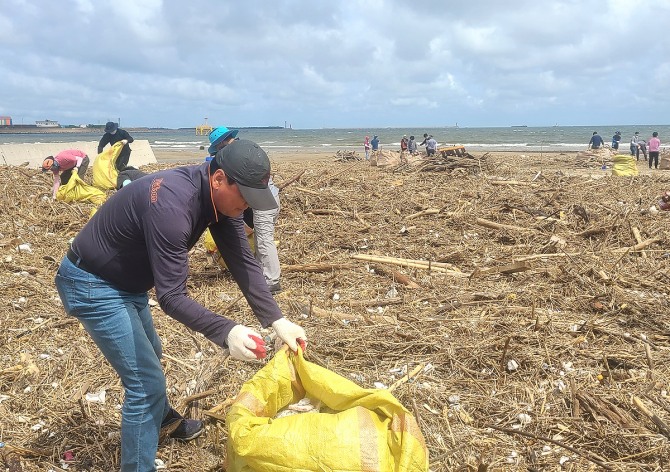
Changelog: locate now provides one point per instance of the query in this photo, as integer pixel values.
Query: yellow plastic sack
(624, 165)
(76, 190)
(104, 169)
(213, 251)
(357, 429)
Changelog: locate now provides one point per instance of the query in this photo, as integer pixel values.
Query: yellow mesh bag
(76, 190)
(104, 170)
(624, 165)
(357, 429)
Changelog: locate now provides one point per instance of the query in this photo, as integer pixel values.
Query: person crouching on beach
(62, 164)
(615, 140)
(114, 134)
(219, 138)
(140, 238)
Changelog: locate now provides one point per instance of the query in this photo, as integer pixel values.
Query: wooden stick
(665, 430)
(510, 182)
(288, 182)
(306, 190)
(375, 302)
(429, 265)
(315, 267)
(180, 362)
(415, 372)
(504, 354)
(428, 211)
(326, 211)
(499, 226)
(639, 246)
(197, 396)
(397, 276)
(638, 238)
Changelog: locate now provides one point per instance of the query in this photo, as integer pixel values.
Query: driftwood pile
(520, 314)
(344, 156)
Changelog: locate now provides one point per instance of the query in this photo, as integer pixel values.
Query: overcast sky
(336, 64)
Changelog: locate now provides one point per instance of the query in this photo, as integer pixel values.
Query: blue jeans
(121, 326)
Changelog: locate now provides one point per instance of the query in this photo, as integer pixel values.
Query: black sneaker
(177, 427)
(275, 288)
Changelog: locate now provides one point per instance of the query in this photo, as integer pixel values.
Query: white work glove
(289, 332)
(241, 346)
(124, 141)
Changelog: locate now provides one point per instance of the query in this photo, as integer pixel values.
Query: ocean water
(519, 139)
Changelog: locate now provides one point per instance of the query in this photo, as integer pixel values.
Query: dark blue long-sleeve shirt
(112, 139)
(141, 236)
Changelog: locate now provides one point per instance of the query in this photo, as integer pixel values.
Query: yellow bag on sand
(213, 251)
(363, 430)
(104, 167)
(624, 165)
(76, 190)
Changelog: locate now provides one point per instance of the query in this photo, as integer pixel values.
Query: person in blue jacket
(140, 238)
(596, 141)
(616, 139)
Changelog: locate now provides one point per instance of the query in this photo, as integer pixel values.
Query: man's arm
(104, 141)
(233, 246)
(127, 137)
(166, 229)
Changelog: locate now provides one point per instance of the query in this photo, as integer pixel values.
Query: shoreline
(164, 155)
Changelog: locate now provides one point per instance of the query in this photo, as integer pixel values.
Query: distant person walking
(114, 134)
(62, 164)
(366, 146)
(634, 147)
(654, 149)
(431, 146)
(615, 140)
(596, 141)
(403, 143)
(411, 145)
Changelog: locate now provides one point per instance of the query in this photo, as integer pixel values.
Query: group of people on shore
(407, 145)
(63, 163)
(140, 239)
(650, 147)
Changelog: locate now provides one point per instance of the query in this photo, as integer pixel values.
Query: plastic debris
(512, 365)
(97, 397)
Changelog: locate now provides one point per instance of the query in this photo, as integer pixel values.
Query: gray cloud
(315, 63)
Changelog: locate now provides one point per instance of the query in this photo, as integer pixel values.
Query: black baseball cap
(249, 166)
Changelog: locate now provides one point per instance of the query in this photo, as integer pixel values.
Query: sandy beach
(285, 155)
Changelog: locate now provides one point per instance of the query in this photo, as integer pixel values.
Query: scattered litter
(97, 397)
